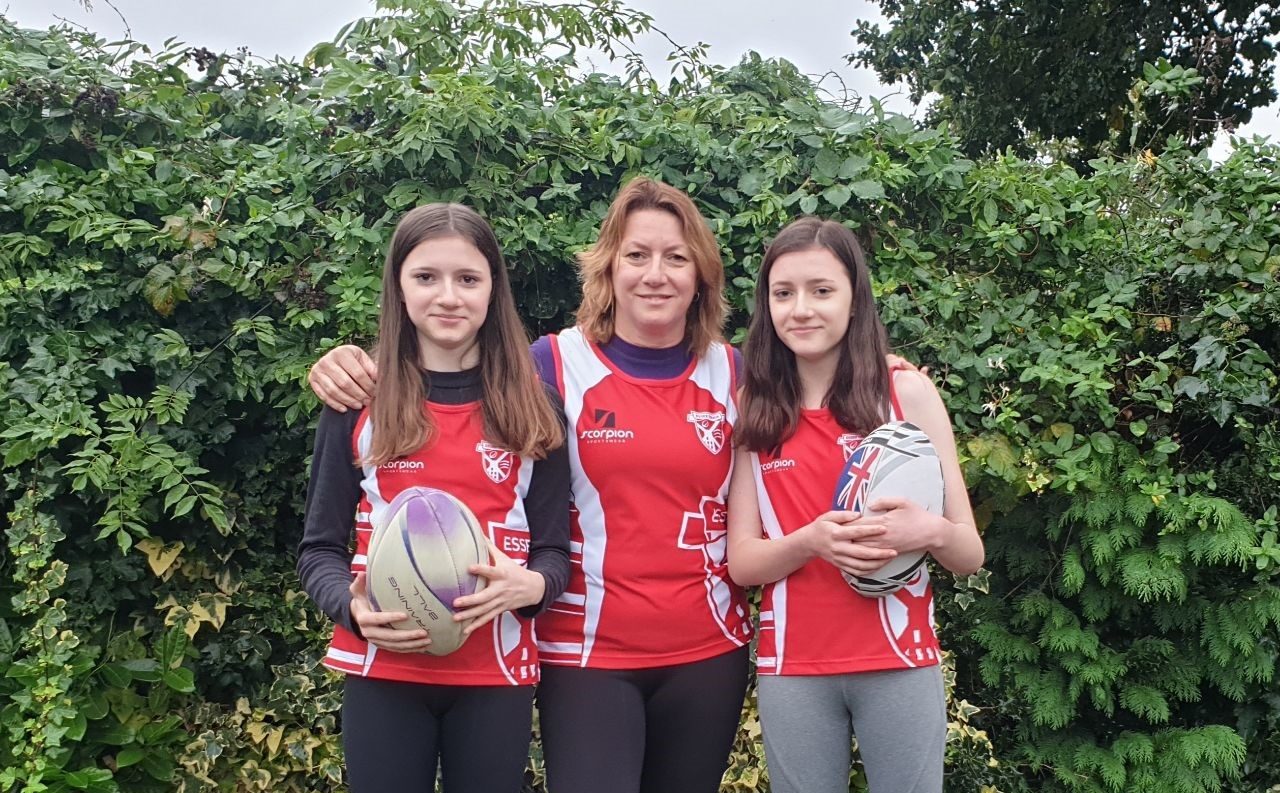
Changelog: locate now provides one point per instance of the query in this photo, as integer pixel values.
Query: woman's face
(654, 280)
(810, 303)
(446, 286)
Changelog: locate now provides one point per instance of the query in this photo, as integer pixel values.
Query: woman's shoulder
(544, 360)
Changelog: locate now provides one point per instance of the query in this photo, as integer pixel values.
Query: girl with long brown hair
(832, 662)
(460, 409)
(645, 653)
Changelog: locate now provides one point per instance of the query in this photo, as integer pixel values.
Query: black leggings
(393, 733)
(662, 730)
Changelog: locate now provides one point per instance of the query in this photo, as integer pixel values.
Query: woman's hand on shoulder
(378, 627)
(899, 364)
(344, 377)
(510, 586)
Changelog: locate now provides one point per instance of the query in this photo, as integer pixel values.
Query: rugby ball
(894, 459)
(418, 562)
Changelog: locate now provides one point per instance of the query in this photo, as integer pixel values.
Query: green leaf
(1191, 387)
(827, 165)
(836, 195)
(853, 167)
(181, 680)
(990, 212)
(158, 767)
(867, 189)
(1102, 443)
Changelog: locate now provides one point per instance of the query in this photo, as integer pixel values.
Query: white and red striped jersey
(493, 482)
(812, 622)
(650, 462)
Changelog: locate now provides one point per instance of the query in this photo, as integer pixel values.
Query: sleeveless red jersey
(812, 622)
(650, 462)
(493, 483)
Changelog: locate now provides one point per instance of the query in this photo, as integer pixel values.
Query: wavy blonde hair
(704, 323)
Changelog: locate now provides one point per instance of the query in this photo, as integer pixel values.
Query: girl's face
(446, 286)
(654, 280)
(810, 302)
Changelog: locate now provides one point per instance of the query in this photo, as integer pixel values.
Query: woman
(646, 652)
(460, 409)
(830, 660)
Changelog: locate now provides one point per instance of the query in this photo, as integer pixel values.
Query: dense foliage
(1072, 71)
(182, 232)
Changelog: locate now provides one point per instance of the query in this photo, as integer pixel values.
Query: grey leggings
(899, 717)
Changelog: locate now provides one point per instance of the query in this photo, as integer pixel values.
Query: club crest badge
(710, 429)
(496, 461)
(848, 442)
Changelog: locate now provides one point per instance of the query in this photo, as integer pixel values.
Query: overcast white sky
(813, 34)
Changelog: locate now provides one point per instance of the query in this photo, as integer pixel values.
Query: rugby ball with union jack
(894, 459)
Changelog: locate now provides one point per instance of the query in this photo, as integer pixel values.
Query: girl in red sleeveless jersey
(645, 653)
(832, 662)
(461, 409)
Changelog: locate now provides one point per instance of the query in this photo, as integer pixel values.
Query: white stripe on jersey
(378, 507)
(582, 371)
(777, 616)
(564, 648)
(359, 559)
(356, 659)
(572, 599)
(714, 374)
(369, 483)
(506, 627)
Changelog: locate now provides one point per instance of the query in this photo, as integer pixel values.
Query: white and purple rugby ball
(418, 562)
(894, 459)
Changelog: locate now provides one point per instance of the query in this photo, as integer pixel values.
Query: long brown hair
(859, 391)
(705, 321)
(517, 414)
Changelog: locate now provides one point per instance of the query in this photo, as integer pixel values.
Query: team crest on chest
(848, 442)
(710, 429)
(496, 461)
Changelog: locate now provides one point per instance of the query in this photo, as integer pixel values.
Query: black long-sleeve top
(333, 494)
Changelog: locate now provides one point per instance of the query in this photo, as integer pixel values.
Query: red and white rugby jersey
(493, 483)
(812, 622)
(650, 463)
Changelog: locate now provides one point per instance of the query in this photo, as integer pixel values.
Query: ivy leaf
(160, 556)
(164, 287)
(1191, 387)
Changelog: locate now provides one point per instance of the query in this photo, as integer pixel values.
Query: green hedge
(182, 232)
